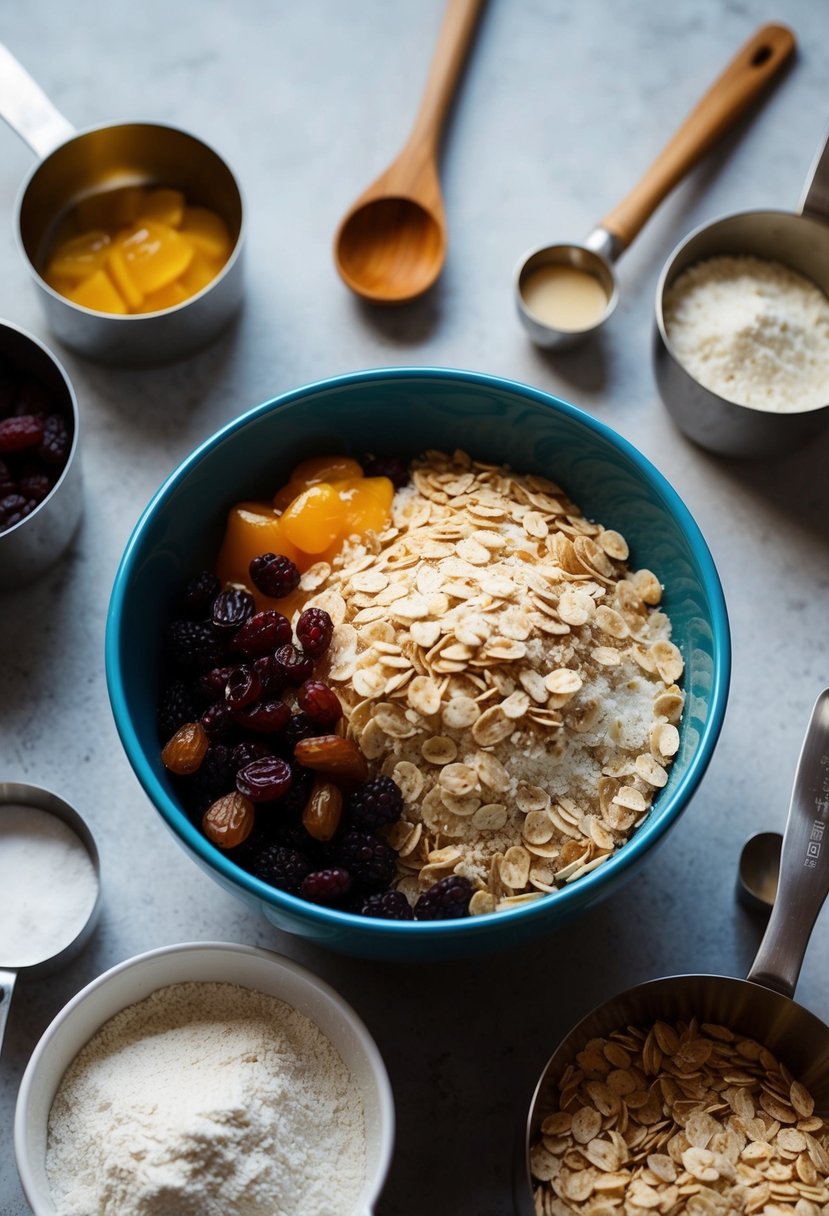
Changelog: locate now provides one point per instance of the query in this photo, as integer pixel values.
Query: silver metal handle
(7, 979)
(28, 110)
(815, 200)
(804, 863)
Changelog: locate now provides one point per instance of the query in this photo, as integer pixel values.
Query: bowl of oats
(418, 662)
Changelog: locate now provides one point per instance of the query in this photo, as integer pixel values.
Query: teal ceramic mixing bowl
(404, 411)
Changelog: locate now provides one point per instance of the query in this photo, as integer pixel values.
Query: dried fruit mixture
(35, 441)
(680, 1120)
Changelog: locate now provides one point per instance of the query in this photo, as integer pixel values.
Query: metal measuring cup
(746, 76)
(800, 240)
(74, 165)
(73, 937)
(759, 1007)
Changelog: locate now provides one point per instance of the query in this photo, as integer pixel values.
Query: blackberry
(274, 575)
(326, 886)
(193, 645)
(216, 776)
(247, 750)
(447, 899)
(199, 593)
(281, 867)
(375, 803)
(368, 858)
(34, 482)
(392, 467)
(293, 803)
(13, 508)
(56, 441)
(175, 708)
(388, 905)
(299, 727)
(314, 630)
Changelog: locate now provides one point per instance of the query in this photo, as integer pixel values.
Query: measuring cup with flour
(768, 341)
(759, 1009)
(49, 876)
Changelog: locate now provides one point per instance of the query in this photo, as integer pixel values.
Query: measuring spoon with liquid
(50, 878)
(565, 292)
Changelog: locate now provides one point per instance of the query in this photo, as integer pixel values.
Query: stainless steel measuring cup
(745, 78)
(74, 165)
(67, 944)
(760, 1007)
(800, 240)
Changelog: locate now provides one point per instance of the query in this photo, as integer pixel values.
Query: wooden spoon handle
(453, 43)
(743, 80)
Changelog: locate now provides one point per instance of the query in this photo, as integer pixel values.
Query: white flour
(48, 882)
(207, 1099)
(752, 331)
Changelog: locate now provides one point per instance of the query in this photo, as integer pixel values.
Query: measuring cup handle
(729, 97)
(7, 979)
(28, 110)
(815, 201)
(804, 863)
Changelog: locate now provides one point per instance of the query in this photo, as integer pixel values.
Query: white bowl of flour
(205, 1079)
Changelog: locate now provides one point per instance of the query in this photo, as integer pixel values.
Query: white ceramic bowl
(221, 962)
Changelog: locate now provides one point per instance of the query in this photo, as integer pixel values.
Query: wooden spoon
(391, 244)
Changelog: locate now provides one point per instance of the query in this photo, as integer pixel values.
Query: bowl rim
(375, 928)
(267, 958)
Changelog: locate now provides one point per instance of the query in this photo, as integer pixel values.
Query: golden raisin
(229, 820)
(186, 750)
(322, 815)
(333, 755)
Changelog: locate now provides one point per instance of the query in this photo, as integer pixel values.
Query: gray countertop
(563, 105)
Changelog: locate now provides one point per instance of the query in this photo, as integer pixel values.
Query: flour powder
(752, 331)
(207, 1099)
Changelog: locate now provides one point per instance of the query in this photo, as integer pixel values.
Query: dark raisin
(214, 682)
(368, 858)
(319, 702)
(231, 609)
(57, 440)
(392, 467)
(447, 899)
(274, 575)
(16, 434)
(217, 720)
(294, 666)
(375, 803)
(261, 633)
(244, 686)
(264, 780)
(326, 886)
(388, 905)
(199, 593)
(266, 717)
(314, 630)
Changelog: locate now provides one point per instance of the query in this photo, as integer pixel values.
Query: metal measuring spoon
(800, 240)
(759, 871)
(759, 1007)
(565, 292)
(69, 939)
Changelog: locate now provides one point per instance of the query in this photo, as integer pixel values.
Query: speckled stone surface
(561, 108)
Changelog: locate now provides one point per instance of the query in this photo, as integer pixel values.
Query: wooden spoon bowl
(391, 250)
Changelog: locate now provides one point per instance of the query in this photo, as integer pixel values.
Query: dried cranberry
(199, 593)
(392, 467)
(326, 886)
(19, 433)
(231, 609)
(217, 720)
(13, 508)
(274, 575)
(264, 780)
(57, 440)
(249, 750)
(244, 686)
(214, 682)
(267, 717)
(314, 630)
(294, 666)
(319, 702)
(261, 633)
(34, 482)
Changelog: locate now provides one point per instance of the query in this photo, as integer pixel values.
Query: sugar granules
(207, 1099)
